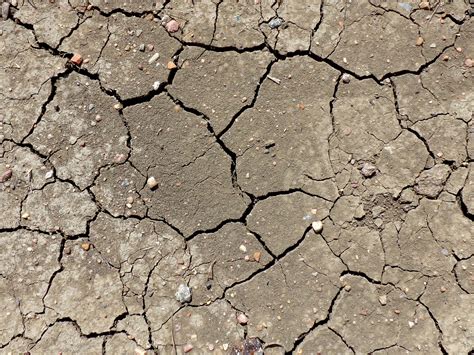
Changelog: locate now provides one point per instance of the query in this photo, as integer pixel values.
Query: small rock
(378, 222)
(156, 85)
(368, 170)
(14, 3)
(154, 57)
(172, 26)
(243, 248)
(187, 348)
(383, 300)
(225, 346)
(469, 63)
(150, 47)
(424, 5)
(347, 288)
(171, 65)
(183, 295)
(118, 106)
(256, 256)
(359, 212)
(443, 289)
(67, 251)
(138, 33)
(242, 319)
(317, 226)
(49, 174)
(5, 10)
(141, 47)
(25, 215)
(275, 22)
(420, 41)
(346, 78)
(6, 175)
(433, 45)
(85, 246)
(76, 59)
(130, 199)
(431, 182)
(152, 183)
(411, 324)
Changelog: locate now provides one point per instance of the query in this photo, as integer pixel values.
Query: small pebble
(156, 85)
(85, 246)
(118, 106)
(6, 175)
(170, 65)
(242, 319)
(76, 59)
(25, 215)
(49, 174)
(275, 22)
(184, 294)
(257, 255)
(411, 324)
(419, 41)
(154, 57)
(469, 63)
(368, 170)
(150, 47)
(187, 348)
(129, 199)
(424, 5)
(172, 26)
(141, 47)
(346, 78)
(443, 289)
(383, 300)
(317, 226)
(225, 346)
(243, 248)
(433, 45)
(152, 183)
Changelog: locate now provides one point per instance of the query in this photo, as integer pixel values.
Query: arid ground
(237, 177)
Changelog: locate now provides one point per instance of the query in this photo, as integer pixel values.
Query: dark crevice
(251, 104)
(49, 99)
(270, 264)
(435, 321)
(324, 321)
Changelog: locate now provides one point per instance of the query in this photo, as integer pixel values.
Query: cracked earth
(150, 146)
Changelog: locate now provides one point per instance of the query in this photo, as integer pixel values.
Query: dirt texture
(237, 177)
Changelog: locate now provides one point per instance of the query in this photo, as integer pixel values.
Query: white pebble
(153, 58)
(151, 182)
(243, 248)
(317, 226)
(242, 319)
